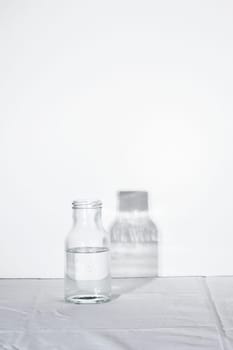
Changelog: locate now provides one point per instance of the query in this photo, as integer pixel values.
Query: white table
(164, 313)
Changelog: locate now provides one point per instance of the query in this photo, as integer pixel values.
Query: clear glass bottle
(87, 269)
(134, 238)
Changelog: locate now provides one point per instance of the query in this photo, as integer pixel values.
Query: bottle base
(87, 299)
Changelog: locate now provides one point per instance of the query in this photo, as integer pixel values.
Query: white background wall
(98, 96)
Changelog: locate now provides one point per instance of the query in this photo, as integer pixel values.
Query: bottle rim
(86, 204)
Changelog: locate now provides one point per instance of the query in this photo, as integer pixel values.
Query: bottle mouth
(86, 204)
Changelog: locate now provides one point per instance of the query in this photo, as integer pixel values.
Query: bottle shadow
(133, 229)
(121, 286)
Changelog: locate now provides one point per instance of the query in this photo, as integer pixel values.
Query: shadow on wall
(134, 239)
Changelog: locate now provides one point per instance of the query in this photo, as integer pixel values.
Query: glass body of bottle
(87, 256)
(134, 238)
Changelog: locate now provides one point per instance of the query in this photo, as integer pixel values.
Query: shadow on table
(121, 286)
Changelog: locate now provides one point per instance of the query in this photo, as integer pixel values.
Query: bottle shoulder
(83, 237)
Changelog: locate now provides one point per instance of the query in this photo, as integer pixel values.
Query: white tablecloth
(145, 314)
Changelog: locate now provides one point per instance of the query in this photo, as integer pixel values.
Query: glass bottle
(87, 269)
(134, 238)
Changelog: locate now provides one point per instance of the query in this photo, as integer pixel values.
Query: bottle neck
(87, 217)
